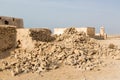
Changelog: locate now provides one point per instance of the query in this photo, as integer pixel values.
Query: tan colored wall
(88, 30)
(59, 30)
(18, 22)
(23, 39)
(82, 30)
(26, 38)
(91, 31)
(7, 37)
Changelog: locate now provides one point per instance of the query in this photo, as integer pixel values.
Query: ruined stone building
(18, 22)
(8, 31)
(102, 33)
(90, 31)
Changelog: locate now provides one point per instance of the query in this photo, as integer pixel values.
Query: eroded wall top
(18, 22)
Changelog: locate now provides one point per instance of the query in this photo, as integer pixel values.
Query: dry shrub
(111, 46)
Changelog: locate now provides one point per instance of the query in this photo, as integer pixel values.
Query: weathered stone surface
(41, 34)
(7, 37)
(24, 40)
(18, 22)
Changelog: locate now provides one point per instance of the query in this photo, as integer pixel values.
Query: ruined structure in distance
(90, 31)
(18, 22)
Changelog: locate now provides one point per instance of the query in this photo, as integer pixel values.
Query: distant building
(102, 33)
(90, 31)
(18, 22)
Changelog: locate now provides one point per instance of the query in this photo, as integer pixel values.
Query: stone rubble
(71, 48)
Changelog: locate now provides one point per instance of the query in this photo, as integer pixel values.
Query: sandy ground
(115, 41)
(110, 71)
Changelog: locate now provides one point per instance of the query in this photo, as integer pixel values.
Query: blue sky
(65, 13)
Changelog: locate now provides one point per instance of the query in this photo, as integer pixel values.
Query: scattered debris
(71, 48)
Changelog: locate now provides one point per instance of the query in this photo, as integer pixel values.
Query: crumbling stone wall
(18, 22)
(23, 39)
(90, 31)
(27, 37)
(7, 37)
(41, 34)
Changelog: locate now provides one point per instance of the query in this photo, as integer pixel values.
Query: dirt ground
(110, 71)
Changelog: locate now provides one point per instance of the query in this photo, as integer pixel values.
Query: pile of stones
(71, 48)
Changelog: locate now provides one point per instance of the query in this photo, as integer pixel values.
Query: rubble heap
(71, 48)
